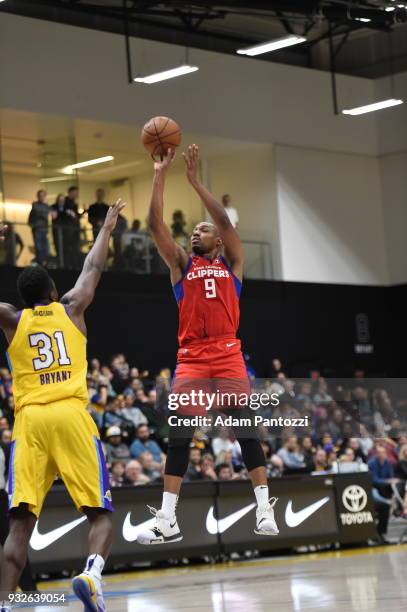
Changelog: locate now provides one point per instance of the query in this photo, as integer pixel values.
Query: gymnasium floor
(363, 580)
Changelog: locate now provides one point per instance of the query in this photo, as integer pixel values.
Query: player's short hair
(34, 284)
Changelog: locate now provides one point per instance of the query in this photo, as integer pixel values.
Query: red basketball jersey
(208, 300)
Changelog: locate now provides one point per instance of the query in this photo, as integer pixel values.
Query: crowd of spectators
(357, 428)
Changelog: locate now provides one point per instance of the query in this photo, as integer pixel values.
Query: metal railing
(66, 246)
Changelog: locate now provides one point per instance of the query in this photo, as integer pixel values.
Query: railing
(65, 247)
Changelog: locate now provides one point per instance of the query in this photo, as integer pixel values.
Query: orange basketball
(160, 134)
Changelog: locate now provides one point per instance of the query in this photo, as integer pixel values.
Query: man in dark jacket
(38, 221)
(97, 212)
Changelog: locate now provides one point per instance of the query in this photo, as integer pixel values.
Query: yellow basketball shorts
(57, 439)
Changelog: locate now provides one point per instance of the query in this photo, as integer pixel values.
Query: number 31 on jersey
(46, 353)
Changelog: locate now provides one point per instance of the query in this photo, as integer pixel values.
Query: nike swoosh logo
(130, 532)
(232, 344)
(39, 541)
(214, 526)
(293, 519)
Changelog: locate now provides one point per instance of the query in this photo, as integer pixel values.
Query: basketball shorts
(213, 371)
(57, 439)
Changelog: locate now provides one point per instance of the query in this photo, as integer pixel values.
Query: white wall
(330, 215)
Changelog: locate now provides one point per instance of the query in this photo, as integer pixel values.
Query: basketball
(159, 134)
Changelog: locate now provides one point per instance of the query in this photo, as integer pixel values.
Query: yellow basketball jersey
(47, 357)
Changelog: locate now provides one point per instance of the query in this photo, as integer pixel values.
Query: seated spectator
(291, 455)
(321, 461)
(149, 467)
(5, 436)
(222, 442)
(115, 448)
(224, 472)
(131, 412)
(382, 473)
(117, 471)
(274, 463)
(134, 474)
(307, 449)
(194, 471)
(143, 443)
(322, 396)
(208, 467)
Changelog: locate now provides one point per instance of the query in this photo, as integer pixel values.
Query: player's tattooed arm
(81, 296)
(173, 254)
(230, 237)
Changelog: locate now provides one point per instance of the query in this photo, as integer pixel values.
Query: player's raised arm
(173, 254)
(80, 297)
(228, 234)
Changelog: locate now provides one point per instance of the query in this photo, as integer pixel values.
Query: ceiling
(367, 48)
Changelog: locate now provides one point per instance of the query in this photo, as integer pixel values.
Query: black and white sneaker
(164, 531)
(265, 521)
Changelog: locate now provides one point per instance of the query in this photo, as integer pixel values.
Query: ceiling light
(364, 19)
(167, 74)
(273, 45)
(54, 179)
(368, 108)
(91, 162)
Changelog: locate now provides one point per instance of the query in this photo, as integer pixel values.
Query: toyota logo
(354, 498)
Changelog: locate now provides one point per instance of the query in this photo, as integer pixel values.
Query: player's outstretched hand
(166, 161)
(3, 229)
(191, 158)
(113, 213)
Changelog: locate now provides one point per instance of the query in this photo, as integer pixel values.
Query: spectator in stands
(71, 229)
(361, 405)
(115, 448)
(321, 461)
(230, 210)
(308, 451)
(97, 212)
(120, 229)
(5, 436)
(38, 221)
(58, 217)
(134, 474)
(382, 473)
(194, 471)
(178, 229)
(224, 472)
(144, 443)
(291, 455)
(117, 472)
(208, 467)
(131, 412)
(148, 465)
(11, 246)
(322, 396)
(222, 442)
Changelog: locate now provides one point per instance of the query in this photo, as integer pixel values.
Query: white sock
(169, 504)
(94, 565)
(262, 495)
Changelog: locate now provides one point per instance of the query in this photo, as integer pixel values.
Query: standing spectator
(11, 246)
(143, 443)
(58, 219)
(178, 229)
(382, 474)
(71, 229)
(120, 229)
(230, 210)
(115, 448)
(97, 212)
(38, 221)
(134, 474)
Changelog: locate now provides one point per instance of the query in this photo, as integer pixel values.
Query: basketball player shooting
(53, 432)
(207, 288)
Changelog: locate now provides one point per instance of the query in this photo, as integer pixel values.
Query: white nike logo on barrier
(130, 532)
(293, 519)
(214, 526)
(39, 541)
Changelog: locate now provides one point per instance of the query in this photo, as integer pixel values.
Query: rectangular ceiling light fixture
(90, 162)
(167, 74)
(369, 108)
(273, 45)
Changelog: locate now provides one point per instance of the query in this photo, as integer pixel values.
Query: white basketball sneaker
(164, 531)
(265, 521)
(88, 589)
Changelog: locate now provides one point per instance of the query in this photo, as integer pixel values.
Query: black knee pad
(177, 456)
(252, 453)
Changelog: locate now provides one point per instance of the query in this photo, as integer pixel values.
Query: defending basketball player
(207, 288)
(53, 432)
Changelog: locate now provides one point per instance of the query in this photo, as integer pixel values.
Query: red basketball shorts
(210, 375)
